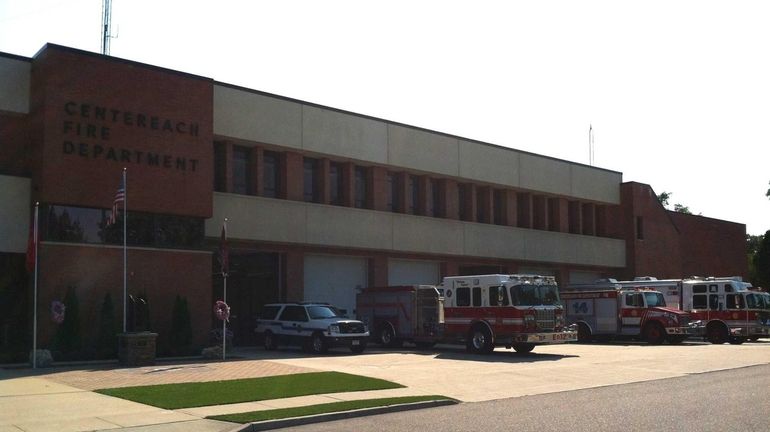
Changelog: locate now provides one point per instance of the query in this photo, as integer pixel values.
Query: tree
(761, 263)
(181, 328)
(107, 340)
(767, 194)
(679, 208)
(67, 338)
(663, 198)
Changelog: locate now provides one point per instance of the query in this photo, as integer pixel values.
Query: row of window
(89, 225)
(405, 192)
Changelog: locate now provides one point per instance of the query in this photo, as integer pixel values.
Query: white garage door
(334, 279)
(411, 272)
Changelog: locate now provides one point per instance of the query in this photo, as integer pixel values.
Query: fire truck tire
(387, 337)
(737, 340)
(753, 338)
(584, 333)
(269, 341)
(523, 348)
(654, 333)
(716, 333)
(480, 340)
(317, 344)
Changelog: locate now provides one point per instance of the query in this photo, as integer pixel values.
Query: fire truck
(612, 310)
(728, 308)
(484, 311)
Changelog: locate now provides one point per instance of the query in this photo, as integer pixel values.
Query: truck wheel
(654, 333)
(716, 333)
(523, 348)
(584, 333)
(318, 344)
(269, 342)
(480, 340)
(387, 337)
(753, 338)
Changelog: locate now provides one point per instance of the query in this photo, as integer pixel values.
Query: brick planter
(136, 349)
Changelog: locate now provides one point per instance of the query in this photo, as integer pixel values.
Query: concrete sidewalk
(62, 399)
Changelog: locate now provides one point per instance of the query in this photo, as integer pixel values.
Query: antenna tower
(590, 145)
(106, 24)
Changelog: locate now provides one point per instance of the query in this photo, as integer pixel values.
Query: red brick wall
(712, 247)
(94, 271)
(99, 115)
(14, 142)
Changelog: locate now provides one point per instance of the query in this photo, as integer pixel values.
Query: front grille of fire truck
(684, 321)
(351, 327)
(546, 319)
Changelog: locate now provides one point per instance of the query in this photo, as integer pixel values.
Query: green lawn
(255, 416)
(188, 395)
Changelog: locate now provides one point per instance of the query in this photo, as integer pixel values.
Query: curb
(319, 418)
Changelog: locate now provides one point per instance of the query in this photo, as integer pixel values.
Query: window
(498, 207)
(477, 296)
(699, 289)
(269, 312)
(713, 288)
(463, 296)
(734, 301)
(293, 313)
(728, 288)
(655, 299)
(462, 201)
(361, 188)
(89, 225)
(270, 172)
(242, 170)
(713, 302)
(310, 184)
(335, 183)
(413, 189)
(634, 300)
(433, 194)
(639, 228)
(220, 167)
(393, 192)
(699, 301)
(498, 296)
(480, 207)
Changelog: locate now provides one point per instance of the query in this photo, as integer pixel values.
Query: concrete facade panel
(545, 175)
(600, 251)
(346, 227)
(254, 117)
(339, 134)
(15, 213)
(416, 234)
(15, 76)
(594, 184)
(489, 164)
(254, 218)
(483, 240)
(424, 151)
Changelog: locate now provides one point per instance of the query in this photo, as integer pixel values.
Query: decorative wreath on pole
(222, 310)
(57, 311)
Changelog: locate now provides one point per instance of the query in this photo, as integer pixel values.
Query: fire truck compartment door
(606, 315)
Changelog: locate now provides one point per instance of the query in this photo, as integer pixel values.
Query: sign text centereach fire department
(88, 122)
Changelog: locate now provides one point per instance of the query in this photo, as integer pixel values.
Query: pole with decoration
(222, 309)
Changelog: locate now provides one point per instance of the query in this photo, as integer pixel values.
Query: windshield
(534, 295)
(654, 299)
(758, 301)
(320, 312)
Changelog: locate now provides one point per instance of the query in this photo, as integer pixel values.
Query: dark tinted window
(293, 313)
(498, 208)
(393, 193)
(220, 167)
(361, 186)
(498, 296)
(734, 301)
(699, 289)
(270, 174)
(269, 312)
(713, 302)
(335, 183)
(413, 188)
(463, 296)
(476, 296)
(310, 180)
(699, 301)
(242, 170)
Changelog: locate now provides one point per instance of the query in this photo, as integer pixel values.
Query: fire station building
(320, 202)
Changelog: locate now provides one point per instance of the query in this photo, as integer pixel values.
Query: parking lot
(450, 371)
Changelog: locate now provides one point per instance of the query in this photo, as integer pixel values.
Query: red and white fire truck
(611, 310)
(485, 311)
(729, 310)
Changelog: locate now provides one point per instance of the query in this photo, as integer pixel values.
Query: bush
(67, 340)
(180, 338)
(107, 340)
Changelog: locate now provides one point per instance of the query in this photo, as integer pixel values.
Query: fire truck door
(631, 313)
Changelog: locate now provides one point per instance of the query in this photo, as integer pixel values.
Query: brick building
(320, 201)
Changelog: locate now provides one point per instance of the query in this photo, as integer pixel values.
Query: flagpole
(125, 218)
(224, 298)
(34, 301)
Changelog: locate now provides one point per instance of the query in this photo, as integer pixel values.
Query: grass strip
(198, 394)
(275, 414)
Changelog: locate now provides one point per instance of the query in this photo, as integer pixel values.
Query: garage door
(412, 272)
(334, 279)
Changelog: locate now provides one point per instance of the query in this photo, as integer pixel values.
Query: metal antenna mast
(590, 145)
(106, 24)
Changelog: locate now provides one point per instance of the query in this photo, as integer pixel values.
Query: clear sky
(678, 92)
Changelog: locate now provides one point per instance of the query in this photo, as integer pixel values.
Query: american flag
(120, 196)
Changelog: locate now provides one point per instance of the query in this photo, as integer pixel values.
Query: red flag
(224, 252)
(120, 197)
(31, 248)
